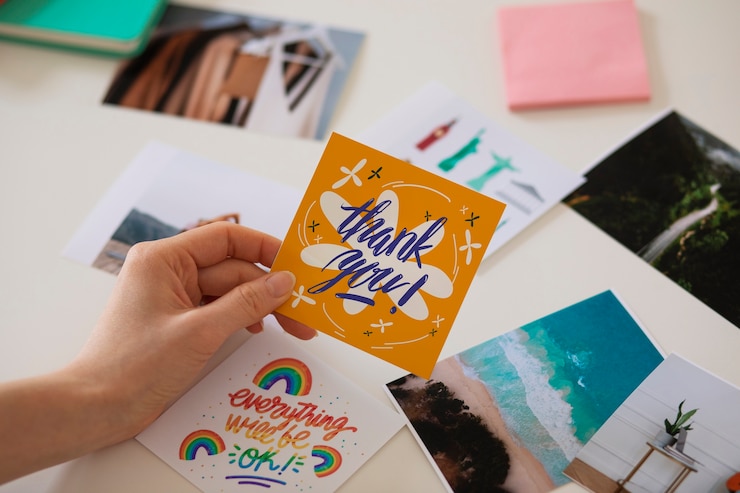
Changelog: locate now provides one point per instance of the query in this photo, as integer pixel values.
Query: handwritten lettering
(363, 225)
(351, 264)
(259, 430)
(275, 409)
(362, 222)
(257, 459)
(294, 440)
(252, 458)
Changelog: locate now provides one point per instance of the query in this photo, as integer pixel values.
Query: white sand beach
(526, 475)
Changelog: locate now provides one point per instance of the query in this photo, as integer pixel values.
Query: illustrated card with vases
(271, 417)
(384, 253)
(439, 131)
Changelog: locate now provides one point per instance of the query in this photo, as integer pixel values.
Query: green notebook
(116, 27)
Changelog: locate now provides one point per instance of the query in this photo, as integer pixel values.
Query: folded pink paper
(573, 53)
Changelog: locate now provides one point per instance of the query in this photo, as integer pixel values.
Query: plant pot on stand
(663, 438)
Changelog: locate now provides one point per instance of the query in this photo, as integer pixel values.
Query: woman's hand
(176, 301)
(156, 333)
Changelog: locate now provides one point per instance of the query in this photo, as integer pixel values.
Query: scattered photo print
(642, 448)
(509, 414)
(165, 191)
(268, 75)
(671, 194)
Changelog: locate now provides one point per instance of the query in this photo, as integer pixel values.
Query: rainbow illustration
(294, 372)
(208, 440)
(331, 460)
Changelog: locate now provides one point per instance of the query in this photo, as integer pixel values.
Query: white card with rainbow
(271, 417)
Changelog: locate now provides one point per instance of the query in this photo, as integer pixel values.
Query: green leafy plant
(680, 421)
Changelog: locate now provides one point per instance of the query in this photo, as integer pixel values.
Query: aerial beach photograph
(511, 413)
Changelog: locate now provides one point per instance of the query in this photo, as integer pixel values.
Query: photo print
(165, 191)
(509, 414)
(671, 195)
(629, 450)
(268, 75)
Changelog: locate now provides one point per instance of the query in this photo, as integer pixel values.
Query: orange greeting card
(384, 253)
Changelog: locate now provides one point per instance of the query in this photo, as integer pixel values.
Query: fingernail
(280, 283)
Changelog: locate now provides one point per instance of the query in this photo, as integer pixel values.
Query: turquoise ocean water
(558, 379)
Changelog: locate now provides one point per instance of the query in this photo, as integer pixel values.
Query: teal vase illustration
(500, 164)
(471, 147)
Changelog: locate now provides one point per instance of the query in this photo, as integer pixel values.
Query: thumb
(248, 303)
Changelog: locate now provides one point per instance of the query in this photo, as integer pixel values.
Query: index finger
(210, 244)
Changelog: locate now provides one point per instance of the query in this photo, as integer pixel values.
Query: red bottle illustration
(435, 135)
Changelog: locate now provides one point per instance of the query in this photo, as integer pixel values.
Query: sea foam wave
(545, 402)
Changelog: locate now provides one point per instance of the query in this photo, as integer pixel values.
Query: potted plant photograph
(669, 434)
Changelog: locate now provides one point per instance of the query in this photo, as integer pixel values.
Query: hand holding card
(384, 253)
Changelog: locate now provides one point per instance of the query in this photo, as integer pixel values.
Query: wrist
(52, 419)
(89, 409)
(102, 405)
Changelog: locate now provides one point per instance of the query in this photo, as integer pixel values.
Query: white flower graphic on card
(374, 256)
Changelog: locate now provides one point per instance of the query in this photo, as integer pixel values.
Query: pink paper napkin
(573, 53)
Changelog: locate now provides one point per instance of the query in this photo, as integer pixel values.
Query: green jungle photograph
(671, 195)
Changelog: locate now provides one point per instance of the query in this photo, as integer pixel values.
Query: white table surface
(60, 150)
